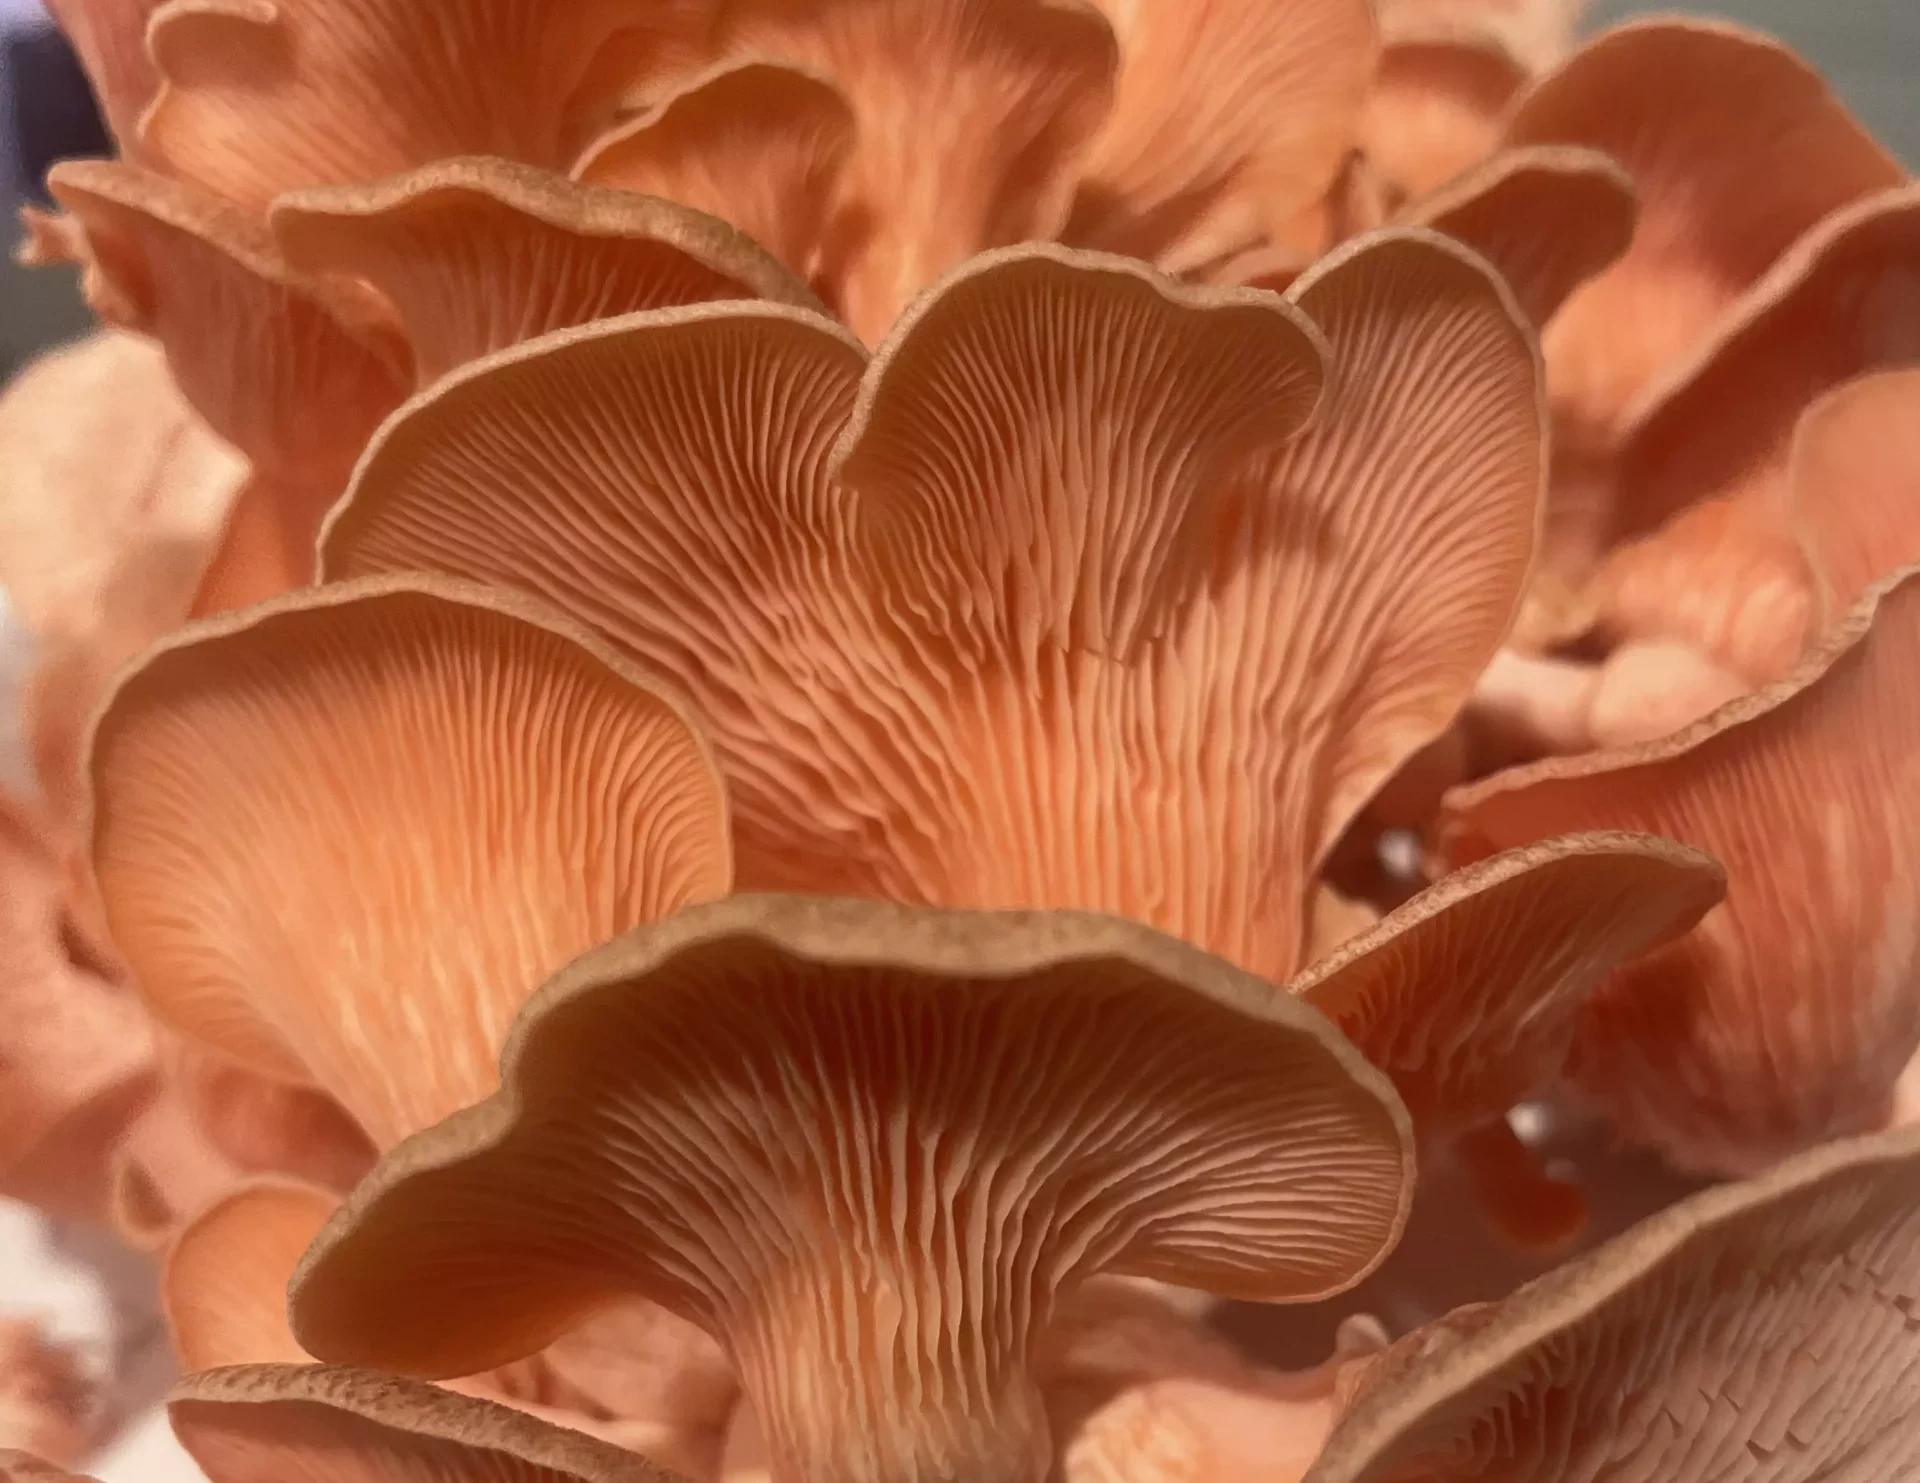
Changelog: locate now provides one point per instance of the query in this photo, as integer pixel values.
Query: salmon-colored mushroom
(246, 1423)
(866, 1146)
(1757, 1330)
(1853, 482)
(1043, 609)
(1787, 1016)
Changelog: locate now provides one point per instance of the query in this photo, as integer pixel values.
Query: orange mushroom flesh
(1224, 124)
(1854, 483)
(25, 1467)
(472, 255)
(223, 1284)
(1787, 1017)
(1755, 1330)
(1468, 995)
(1057, 621)
(256, 100)
(1436, 104)
(48, 1405)
(1735, 147)
(342, 750)
(321, 1424)
(760, 144)
(1549, 217)
(1018, 87)
(866, 1146)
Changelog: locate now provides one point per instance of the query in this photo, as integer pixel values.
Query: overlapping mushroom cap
(249, 1423)
(1049, 604)
(1788, 1015)
(1758, 1330)
(866, 1145)
(342, 836)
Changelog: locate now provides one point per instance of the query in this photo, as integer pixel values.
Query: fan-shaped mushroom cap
(1548, 216)
(287, 805)
(1018, 87)
(224, 1283)
(1052, 569)
(324, 1424)
(1787, 1016)
(1468, 995)
(1735, 146)
(1436, 104)
(259, 98)
(1854, 481)
(1225, 122)
(471, 255)
(1759, 1330)
(761, 144)
(816, 1128)
(1536, 31)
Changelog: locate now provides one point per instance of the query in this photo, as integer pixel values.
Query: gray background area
(1870, 48)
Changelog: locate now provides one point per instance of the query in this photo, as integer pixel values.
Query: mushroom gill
(1761, 1330)
(1043, 609)
(866, 1146)
(1788, 1015)
(341, 836)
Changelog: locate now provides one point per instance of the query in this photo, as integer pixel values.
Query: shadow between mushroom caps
(866, 1146)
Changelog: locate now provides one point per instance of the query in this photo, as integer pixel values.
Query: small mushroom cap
(1787, 1017)
(1436, 104)
(1855, 481)
(1548, 216)
(48, 1404)
(474, 254)
(761, 144)
(1225, 122)
(322, 1424)
(223, 1286)
(1467, 995)
(1758, 1330)
(24, 1467)
(343, 749)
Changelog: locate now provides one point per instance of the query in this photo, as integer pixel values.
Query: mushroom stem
(861, 1374)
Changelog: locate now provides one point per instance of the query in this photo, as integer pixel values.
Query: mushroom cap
(1548, 216)
(1788, 1015)
(835, 1038)
(223, 1285)
(1855, 481)
(1735, 146)
(24, 1467)
(1467, 995)
(1225, 122)
(474, 254)
(325, 1424)
(287, 805)
(258, 99)
(1436, 104)
(1758, 1330)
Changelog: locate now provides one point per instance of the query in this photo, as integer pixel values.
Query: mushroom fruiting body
(865, 1146)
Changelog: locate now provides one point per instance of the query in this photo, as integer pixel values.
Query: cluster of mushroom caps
(728, 697)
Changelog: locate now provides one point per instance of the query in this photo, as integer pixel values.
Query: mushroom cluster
(794, 741)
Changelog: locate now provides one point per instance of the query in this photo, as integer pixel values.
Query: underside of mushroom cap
(865, 1145)
(1759, 1330)
(1044, 610)
(325, 1424)
(286, 805)
(1788, 1015)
